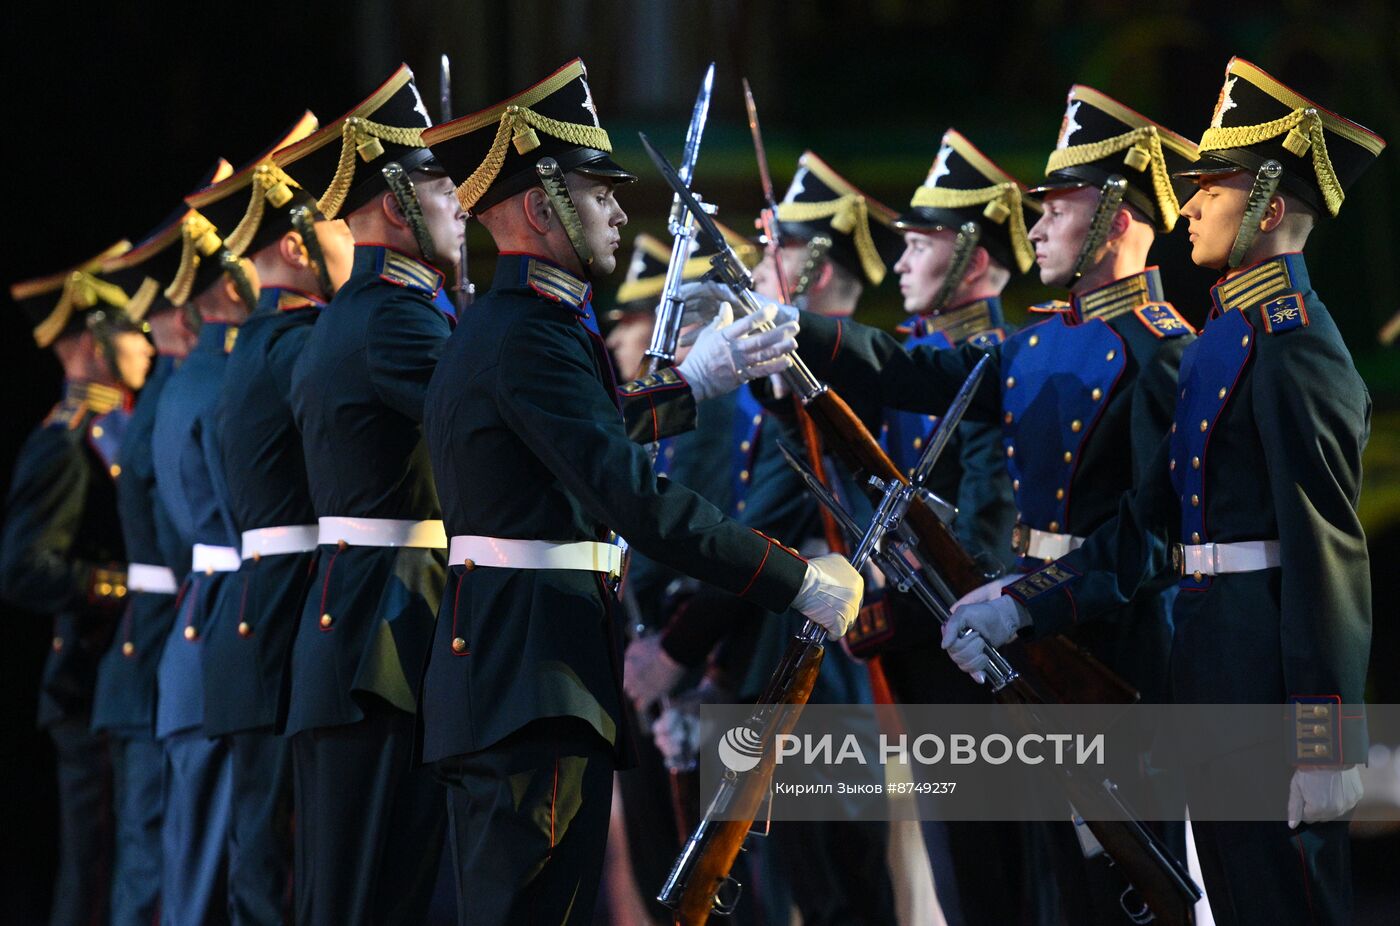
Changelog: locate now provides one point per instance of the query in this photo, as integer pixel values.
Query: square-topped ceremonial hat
(964, 185)
(145, 270)
(60, 303)
(821, 203)
(1258, 119)
(646, 274)
(342, 163)
(1101, 138)
(219, 215)
(492, 153)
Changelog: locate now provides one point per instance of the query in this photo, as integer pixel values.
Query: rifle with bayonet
(665, 334)
(700, 882)
(1160, 888)
(1065, 672)
(463, 291)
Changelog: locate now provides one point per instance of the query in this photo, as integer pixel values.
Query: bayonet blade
(824, 495)
(764, 177)
(445, 88)
(948, 423)
(693, 132)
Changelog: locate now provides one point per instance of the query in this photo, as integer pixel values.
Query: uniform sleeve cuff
(1046, 596)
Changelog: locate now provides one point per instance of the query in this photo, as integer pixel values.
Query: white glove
(677, 734)
(728, 353)
(830, 593)
(992, 622)
(649, 673)
(703, 299)
(1317, 795)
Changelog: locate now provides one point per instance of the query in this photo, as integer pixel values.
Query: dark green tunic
(528, 441)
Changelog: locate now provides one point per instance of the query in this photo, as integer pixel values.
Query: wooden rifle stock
(717, 843)
(1067, 673)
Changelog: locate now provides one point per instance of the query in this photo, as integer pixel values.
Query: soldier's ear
(292, 250)
(389, 203)
(539, 212)
(977, 266)
(1274, 215)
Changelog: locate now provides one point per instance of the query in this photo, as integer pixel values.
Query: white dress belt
(208, 558)
(1045, 545)
(587, 555)
(382, 532)
(143, 577)
(287, 538)
(1213, 559)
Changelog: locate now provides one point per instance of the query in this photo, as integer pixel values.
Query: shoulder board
(1163, 320)
(655, 382)
(403, 271)
(1284, 314)
(1054, 305)
(987, 339)
(67, 414)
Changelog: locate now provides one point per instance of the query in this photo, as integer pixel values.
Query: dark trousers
(528, 823)
(838, 870)
(194, 831)
(82, 886)
(260, 829)
(138, 762)
(369, 822)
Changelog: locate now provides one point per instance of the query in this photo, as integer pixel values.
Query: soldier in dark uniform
(62, 554)
(125, 701)
(1083, 397)
(369, 820)
(1256, 487)
(523, 711)
(287, 259)
(213, 286)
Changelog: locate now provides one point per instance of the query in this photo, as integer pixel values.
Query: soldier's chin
(1202, 255)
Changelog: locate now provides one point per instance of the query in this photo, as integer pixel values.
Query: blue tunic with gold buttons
(530, 439)
(1269, 426)
(191, 486)
(126, 678)
(62, 552)
(1083, 398)
(248, 645)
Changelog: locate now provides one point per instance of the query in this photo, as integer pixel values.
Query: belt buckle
(1020, 539)
(1179, 558)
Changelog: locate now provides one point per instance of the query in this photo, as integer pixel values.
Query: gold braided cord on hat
(1305, 130)
(1144, 149)
(849, 215)
(198, 239)
(81, 290)
(520, 125)
(1003, 202)
(140, 302)
(362, 136)
(271, 185)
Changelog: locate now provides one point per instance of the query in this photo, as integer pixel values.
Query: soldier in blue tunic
(125, 701)
(523, 711)
(1256, 489)
(1083, 397)
(369, 820)
(191, 485)
(62, 554)
(289, 261)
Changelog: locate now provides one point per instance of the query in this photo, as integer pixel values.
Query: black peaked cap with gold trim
(821, 203)
(964, 185)
(342, 164)
(227, 215)
(58, 304)
(1257, 119)
(492, 154)
(1100, 138)
(646, 273)
(149, 267)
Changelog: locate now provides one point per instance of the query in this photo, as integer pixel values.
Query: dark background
(113, 111)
